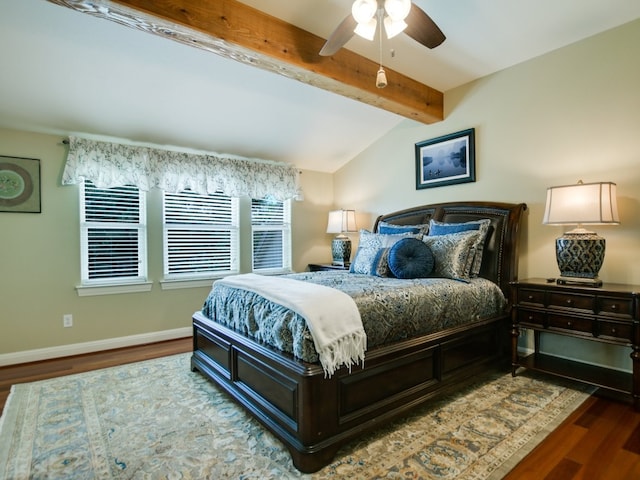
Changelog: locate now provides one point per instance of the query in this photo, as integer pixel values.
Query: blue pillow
(390, 228)
(410, 258)
(439, 228)
(477, 249)
(371, 256)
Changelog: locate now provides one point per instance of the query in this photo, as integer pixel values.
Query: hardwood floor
(57, 367)
(599, 441)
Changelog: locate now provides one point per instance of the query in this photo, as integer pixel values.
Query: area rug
(156, 419)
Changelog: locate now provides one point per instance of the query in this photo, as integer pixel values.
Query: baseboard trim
(90, 347)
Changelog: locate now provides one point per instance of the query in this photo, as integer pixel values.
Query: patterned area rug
(156, 419)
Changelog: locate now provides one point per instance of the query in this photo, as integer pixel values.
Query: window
(271, 235)
(200, 238)
(200, 235)
(113, 235)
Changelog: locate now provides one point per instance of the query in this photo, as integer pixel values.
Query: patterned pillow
(410, 258)
(390, 228)
(452, 254)
(482, 226)
(373, 250)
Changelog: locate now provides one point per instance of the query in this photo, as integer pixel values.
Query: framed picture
(446, 160)
(19, 184)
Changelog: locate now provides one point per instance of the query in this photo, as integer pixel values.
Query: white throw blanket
(331, 315)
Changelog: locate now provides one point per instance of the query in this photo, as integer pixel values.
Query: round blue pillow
(410, 258)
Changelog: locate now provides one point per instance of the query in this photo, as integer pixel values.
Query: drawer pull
(569, 324)
(614, 307)
(569, 301)
(613, 331)
(530, 297)
(530, 318)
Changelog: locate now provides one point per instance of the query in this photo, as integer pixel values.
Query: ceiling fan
(396, 15)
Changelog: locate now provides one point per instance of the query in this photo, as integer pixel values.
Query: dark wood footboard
(313, 415)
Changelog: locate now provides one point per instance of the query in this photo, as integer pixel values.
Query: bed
(313, 413)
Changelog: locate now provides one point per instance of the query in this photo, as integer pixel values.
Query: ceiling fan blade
(422, 29)
(341, 35)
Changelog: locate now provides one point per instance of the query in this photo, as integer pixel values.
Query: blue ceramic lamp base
(580, 257)
(341, 250)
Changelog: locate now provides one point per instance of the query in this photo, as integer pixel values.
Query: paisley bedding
(391, 309)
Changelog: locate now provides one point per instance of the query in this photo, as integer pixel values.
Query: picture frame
(19, 184)
(446, 160)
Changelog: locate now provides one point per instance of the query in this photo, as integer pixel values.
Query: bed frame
(313, 415)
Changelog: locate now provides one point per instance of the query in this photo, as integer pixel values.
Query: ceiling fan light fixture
(394, 27)
(367, 30)
(364, 10)
(420, 28)
(397, 9)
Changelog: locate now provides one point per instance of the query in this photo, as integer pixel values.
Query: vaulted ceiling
(65, 71)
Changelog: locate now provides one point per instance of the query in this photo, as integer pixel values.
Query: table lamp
(341, 222)
(580, 252)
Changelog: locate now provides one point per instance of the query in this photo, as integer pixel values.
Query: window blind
(200, 234)
(271, 235)
(113, 234)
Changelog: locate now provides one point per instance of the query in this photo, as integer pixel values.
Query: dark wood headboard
(500, 258)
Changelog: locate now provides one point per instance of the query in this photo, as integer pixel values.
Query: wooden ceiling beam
(236, 31)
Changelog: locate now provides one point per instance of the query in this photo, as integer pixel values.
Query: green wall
(40, 265)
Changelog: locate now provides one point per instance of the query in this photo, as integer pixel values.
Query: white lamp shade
(364, 10)
(583, 203)
(397, 9)
(393, 27)
(367, 30)
(342, 221)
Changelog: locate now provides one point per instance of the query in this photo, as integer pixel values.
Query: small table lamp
(341, 222)
(580, 252)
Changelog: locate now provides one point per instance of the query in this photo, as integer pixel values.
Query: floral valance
(109, 165)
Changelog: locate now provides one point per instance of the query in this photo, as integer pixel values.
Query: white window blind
(113, 235)
(271, 235)
(200, 235)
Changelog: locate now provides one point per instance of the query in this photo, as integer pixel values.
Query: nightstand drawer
(615, 306)
(534, 297)
(607, 314)
(531, 318)
(569, 300)
(616, 330)
(574, 324)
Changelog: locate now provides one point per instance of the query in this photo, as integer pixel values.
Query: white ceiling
(66, 72)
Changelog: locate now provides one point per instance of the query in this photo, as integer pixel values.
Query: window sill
(92, 290)
(191, 283)
(174, 284)
(273, 272)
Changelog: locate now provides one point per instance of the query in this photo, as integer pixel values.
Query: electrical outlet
(67, 320)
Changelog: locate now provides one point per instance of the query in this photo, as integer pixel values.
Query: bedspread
(391, 309)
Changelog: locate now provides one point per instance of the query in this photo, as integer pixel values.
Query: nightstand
(608, 314)
(321, 267)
